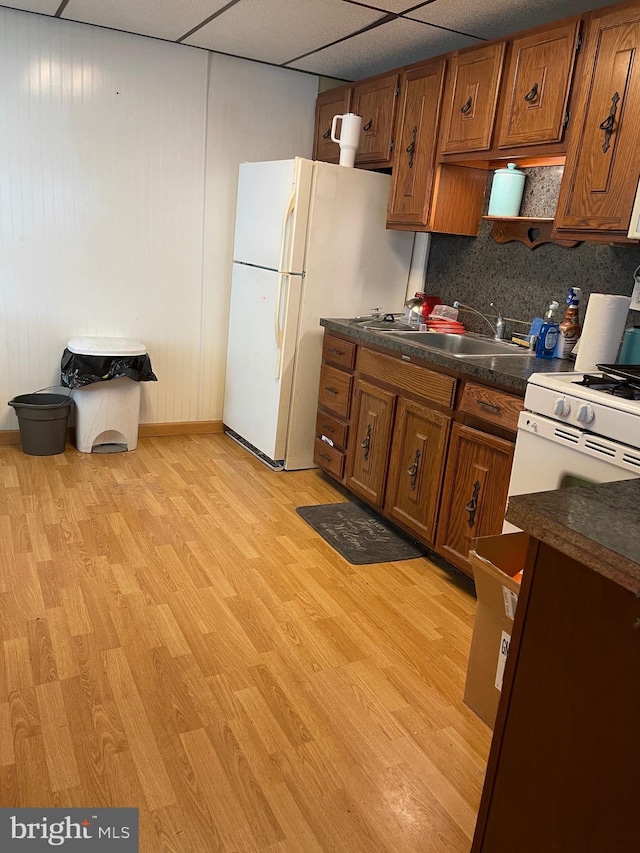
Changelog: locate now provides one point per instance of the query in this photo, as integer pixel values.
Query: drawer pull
(532, 93)
(327, 428)
(324, 456)
(335, 351)
(365, 443)
(326, 134)
(489, 406)
(413, 470)
(368, 125)
(465, 108)
(331, 390)
(472, 506)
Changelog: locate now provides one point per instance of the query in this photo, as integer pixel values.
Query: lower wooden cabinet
(390, 431)
(475, 492)
(371, 436)
(334, 406)
(416, 467)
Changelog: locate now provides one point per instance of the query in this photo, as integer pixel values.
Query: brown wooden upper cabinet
(602, 168)
(375, 101)
(328, 104)
(537, 84)
(416, 135)
(471, 97)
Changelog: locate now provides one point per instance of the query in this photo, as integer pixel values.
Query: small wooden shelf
(532, 231)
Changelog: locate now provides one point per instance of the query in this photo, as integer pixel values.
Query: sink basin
(461, 346)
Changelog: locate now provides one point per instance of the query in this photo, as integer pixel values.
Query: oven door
(550, 455)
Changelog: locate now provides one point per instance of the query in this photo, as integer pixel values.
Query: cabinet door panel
(416, 144)
(537, 86)
(472, 98)
(375, 102)
(475, 492)
(602, 169)
(330, 103)
(370, 438)
(417, 464)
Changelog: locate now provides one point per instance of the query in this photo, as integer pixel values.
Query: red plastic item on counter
(442, 324)
(428, 303)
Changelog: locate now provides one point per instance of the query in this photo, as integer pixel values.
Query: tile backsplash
(522, 281)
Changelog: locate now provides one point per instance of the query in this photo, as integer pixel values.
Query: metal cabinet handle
(472, 506)
(327, 428)
(532, 93)
(324, 456)
(335, 351)
(331, 390)
(607, 124)
(465, 108)
(327, 134)
(411, 148)
(365, 443)
(413, 470)
(368, 125)
(490, 406)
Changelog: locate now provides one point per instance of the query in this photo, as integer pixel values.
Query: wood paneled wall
(118, 170)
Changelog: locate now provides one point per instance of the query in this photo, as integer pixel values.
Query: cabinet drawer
(492, 405)
(329, 458)
(335, 390)
(436, 387)
(339, 352)
(332, 428)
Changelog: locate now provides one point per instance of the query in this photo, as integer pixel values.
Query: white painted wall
(118, 167)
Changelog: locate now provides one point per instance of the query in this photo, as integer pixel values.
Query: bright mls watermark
(86, 830)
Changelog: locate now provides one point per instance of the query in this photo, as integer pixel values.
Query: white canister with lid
(506, 191)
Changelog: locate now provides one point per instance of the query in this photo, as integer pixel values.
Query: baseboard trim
(12, 436)
(179, 428)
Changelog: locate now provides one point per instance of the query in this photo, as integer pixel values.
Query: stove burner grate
(616, 387)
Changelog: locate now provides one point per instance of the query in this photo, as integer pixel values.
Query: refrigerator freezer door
(353, 264)
(271, 214)
(259, 361)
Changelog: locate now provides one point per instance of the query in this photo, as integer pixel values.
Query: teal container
(506, 191)
(630, 352)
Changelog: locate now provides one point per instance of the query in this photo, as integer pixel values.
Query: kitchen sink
(461, 346)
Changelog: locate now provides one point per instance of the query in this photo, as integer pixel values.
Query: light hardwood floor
(176, 638)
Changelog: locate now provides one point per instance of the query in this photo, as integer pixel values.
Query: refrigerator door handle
(279, 329)
(281, 276)
(288, 217)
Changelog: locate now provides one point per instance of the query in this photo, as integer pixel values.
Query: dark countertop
(508, 371)
(596, 525)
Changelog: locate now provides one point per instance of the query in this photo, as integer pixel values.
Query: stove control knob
(585, 414)
(561, 407)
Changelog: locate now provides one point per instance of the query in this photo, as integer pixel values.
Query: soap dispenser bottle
(548, 336)
(569, 330)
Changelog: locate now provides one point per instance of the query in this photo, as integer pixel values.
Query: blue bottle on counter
(548, 336)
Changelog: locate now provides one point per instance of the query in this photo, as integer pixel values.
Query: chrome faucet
(499, 328)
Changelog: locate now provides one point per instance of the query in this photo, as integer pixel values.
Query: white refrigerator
(310, 242)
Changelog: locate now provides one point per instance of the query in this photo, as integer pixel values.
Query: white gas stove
(602, 404)
(577, 429)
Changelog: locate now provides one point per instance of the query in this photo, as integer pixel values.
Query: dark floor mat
(358, 534)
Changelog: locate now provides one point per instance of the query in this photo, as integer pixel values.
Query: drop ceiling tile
(166, 19)
(45, 7)
(398, 42)
(495, 18)
(279, 30)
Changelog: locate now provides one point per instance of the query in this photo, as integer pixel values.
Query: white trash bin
(107, 413)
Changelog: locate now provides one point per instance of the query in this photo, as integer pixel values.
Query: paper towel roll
(602, 330)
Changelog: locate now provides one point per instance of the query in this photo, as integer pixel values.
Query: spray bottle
(570, 329)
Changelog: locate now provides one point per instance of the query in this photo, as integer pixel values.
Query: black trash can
(43, 420)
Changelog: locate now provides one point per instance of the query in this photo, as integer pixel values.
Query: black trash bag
(79, 370)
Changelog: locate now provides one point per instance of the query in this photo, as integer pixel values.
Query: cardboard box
(497, 563)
